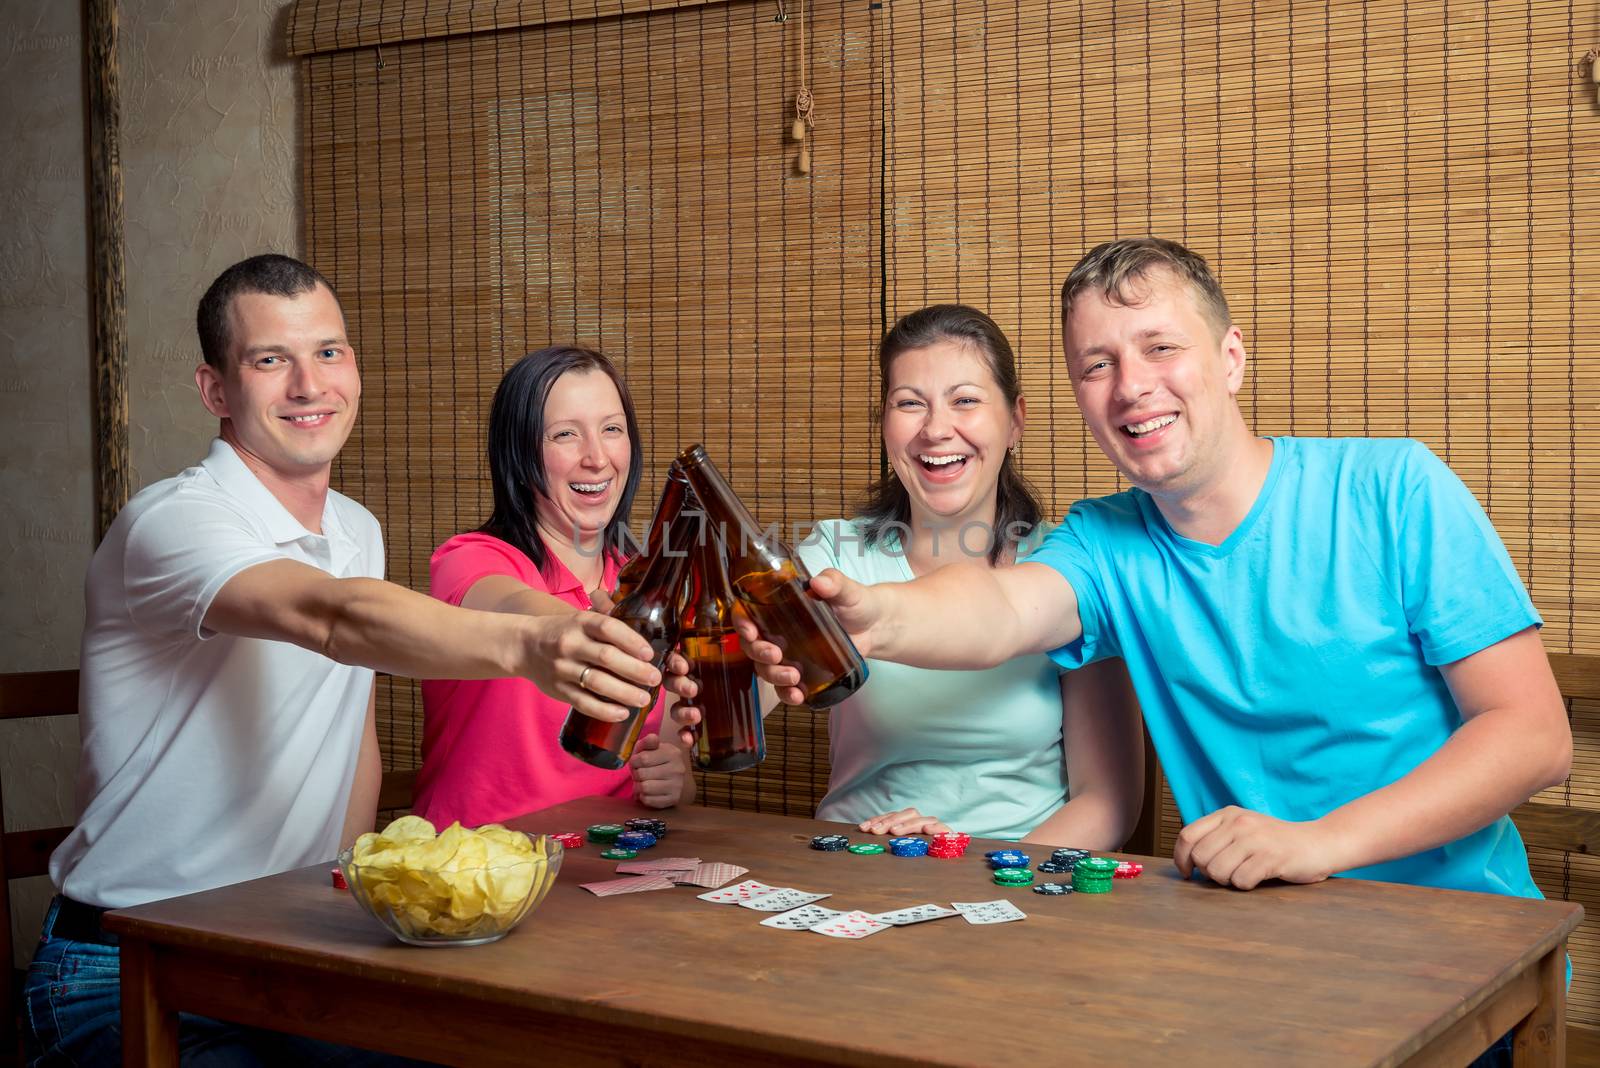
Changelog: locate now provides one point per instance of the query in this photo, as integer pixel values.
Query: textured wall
(208, 148)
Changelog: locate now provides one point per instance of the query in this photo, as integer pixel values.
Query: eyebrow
(952, 389)
(1143, 335)
(327, 342)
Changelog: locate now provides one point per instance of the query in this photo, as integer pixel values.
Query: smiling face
(288, 390)
(586, 454)
(1156, 385)
(946, 429)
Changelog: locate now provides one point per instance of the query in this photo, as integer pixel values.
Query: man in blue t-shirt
(1339, 666)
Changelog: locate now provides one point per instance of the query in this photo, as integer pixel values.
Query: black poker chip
(1068, 856)
(1052, 889)
(1053, 867)
(830, 843)
(647, 824)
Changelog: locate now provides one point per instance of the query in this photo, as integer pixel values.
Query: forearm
(1092, 820)
(361, 812)
(963, 617)
(392, 629)
(1491, 764)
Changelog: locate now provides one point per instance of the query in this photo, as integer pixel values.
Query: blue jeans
(72, 1008)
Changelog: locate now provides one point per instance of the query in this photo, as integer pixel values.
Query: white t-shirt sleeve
(180, 553)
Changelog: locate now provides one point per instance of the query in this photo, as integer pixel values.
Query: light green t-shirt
(980, 750)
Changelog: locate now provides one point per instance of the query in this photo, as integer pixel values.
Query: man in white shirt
(235, 615)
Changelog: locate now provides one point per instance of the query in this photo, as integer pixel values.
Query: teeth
(306, 418)
(1151, 424)
(940, 461)
(589, 487)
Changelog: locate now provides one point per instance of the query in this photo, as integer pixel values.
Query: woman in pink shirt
(564, 456)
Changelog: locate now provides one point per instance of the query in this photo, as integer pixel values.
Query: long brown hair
(886, 503)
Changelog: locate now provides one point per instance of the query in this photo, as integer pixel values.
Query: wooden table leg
(1541, 1038)
(149, 1029)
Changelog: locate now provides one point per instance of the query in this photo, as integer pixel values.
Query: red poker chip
(569, 839)
(1128, 869)
(338, 880)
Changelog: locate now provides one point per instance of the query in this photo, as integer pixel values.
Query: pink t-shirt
(490, 748)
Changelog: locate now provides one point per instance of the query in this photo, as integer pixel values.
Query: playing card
(664, 864)
(630, 885)
(712, 873)
(856, 924)
(801, 919)
(744, 891)
(1001, 911)
(915, 914)
(781, 900)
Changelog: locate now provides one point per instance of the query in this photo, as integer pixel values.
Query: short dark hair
(1017, 510)
(273, 274)
(1110, 267)
(516, 448)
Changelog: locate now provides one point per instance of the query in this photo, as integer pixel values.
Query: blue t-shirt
(1294, 667)
(980, 750)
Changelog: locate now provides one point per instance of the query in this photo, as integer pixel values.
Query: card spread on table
(1001, 911)
(630, 885)
(916, 914)
(663, 864)
(730, 895)
(712, 873)
(781, 900)
(801, 919)
(856, 924)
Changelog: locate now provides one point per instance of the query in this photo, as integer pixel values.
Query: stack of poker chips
(830, 843)
(908, 847)
(649, 825)
(1006, 858)
(948, 845)
(1012, 876)
(1093, 875)
(866, 849)
(1062, 861)
(1052, 889)
(568, 839)
(1128, 869)
(605, 833)
(635, 840)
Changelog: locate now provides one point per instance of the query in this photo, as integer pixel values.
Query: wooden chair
(26, 695)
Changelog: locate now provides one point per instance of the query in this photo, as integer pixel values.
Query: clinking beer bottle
(652, 609)
(771, 584)
(667, 511)
(730, 736)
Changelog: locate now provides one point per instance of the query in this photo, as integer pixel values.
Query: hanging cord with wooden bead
(803, 115)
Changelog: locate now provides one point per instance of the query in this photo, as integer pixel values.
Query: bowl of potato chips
(456, 887)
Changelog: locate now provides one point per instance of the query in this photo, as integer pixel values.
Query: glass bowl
(455, 906)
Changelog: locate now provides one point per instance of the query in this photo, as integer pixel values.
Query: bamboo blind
(1318, 155)
(625, 182)
(1400, 198)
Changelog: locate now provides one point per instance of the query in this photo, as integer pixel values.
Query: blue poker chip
(1008, 858)
(635, 840)
(908, 847)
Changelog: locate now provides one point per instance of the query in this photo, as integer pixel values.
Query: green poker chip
(1013, 876)
(1092, 866)
(620, 854)
(866, 849)
(605, 832)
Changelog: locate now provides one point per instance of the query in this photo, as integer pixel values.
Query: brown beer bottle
(770, 581)
(668, 508)
(652, 608)
(730, 736)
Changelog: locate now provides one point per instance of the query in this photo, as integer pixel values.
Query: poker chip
(1128, 869)
(1013, 876)
(568, 839)
(1102, 866)
(908, 847)
(949, 844)
(605, 832)
(1093, 875)
(1008, 858)
(635, 840)
(830, 843)
(1052, 889)
(648, 824)
(338, 880)
(1068, 857)
(866, 849)
(1051, 867)
(620, 854)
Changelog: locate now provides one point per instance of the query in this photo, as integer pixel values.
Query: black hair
(516, 448)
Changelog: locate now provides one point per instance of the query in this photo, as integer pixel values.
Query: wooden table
(1161, 971)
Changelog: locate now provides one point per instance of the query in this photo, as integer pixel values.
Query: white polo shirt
(208, 759)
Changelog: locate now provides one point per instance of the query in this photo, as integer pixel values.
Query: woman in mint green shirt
(1020, 751)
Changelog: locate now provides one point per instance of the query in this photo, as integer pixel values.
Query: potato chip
(454, 883)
